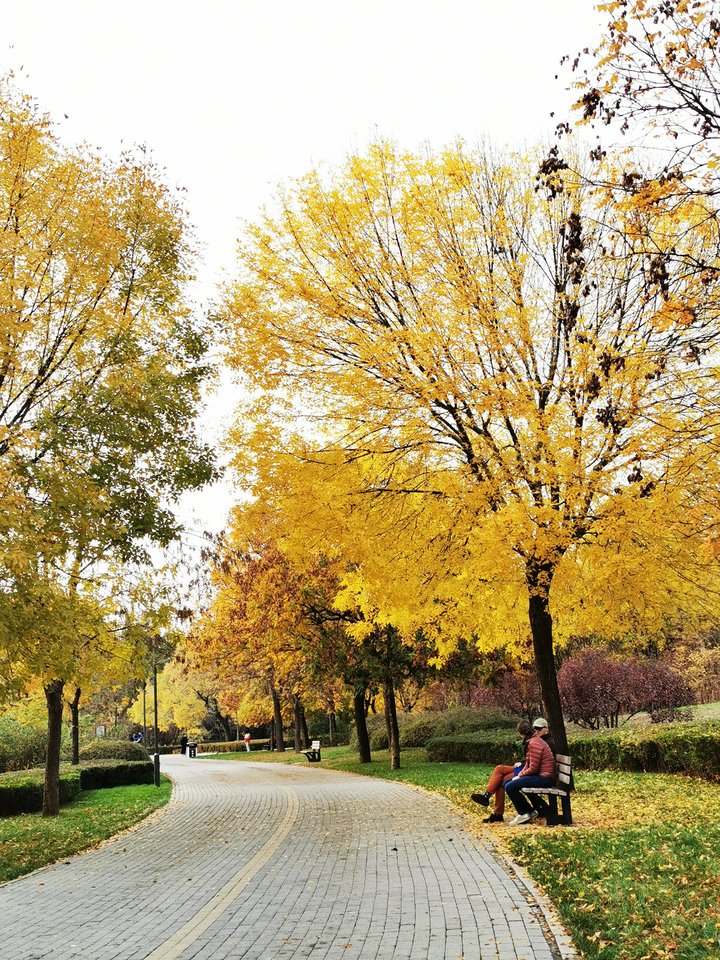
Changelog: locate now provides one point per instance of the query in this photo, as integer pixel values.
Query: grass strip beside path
(636, 878)
(30, 840)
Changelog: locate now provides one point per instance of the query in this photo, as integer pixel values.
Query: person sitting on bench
(539, 771)
(500, 775)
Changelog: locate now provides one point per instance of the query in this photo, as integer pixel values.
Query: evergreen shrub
(22, 790)
(113, 750)
(490, 746)
(674, 748)
(95, 775)
(232, 746)
(418, 730)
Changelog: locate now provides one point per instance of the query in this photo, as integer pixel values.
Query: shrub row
(231, 746)
(417, 730)
(491, 746)
(94, 775)
(22, 791)
(107, 749)
(676, 748)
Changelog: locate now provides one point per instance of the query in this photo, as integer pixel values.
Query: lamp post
(156, 755)
(144, 717)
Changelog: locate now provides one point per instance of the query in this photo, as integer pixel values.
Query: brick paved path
(279, 862)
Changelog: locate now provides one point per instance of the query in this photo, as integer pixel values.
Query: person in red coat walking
(539, 771)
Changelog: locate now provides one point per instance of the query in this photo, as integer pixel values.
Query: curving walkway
(264, 861)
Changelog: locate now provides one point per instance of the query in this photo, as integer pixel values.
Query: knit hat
(540, 723)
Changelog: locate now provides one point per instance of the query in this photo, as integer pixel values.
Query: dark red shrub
(519, 692)
(597, 687)
(592, 687)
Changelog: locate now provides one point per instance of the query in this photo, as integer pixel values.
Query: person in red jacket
(501, 775)
(539, 771)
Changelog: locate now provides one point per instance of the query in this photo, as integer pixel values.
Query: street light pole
(156, 756)
(144, 717)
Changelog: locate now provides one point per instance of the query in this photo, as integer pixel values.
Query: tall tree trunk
(304, 729)
(332, 727)
(51, 791)
(74, 705)
(361, 725)
(541, 627)
(392, 723)
(297, 725)
(225, 727)
(277, 715)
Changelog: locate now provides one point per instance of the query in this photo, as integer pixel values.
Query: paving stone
(254, 861)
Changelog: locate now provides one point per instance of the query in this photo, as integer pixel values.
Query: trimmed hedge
(418, 730)
(491, 746)
(674, 748)
(113, 750)
(22, 791)
(95, 775)
(232, 746)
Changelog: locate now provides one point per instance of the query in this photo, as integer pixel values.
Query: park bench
(313, 754)
(563, 785)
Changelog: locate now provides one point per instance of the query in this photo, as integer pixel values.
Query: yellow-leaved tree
(102, 362)
(515, 389)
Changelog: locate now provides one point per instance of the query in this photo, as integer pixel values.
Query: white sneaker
(521, 818)
(534, 814)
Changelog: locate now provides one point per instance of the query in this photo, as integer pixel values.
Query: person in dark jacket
(539, 771)
(500, 775)
(183, 744)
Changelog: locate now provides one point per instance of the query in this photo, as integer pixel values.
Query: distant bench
(563, 783)
(313, 754)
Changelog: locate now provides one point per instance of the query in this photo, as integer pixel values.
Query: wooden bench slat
(554, 791)
(563, 782)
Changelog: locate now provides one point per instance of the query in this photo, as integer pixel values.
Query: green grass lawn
(636, 878)
(31, 840)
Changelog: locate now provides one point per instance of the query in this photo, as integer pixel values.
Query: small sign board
(100, 731)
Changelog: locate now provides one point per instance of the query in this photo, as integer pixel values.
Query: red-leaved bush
(597, 687)
(519, 692)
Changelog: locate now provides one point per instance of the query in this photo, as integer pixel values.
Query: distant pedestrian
(183, 744)
(246, 738)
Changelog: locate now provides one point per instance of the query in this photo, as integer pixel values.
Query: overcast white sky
(234, 97)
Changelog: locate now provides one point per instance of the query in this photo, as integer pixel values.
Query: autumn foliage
(477, 391)
(598, 687)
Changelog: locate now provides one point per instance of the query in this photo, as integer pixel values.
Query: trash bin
(192, 749)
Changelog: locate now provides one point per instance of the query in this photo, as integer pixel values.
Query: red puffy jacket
(539, 760)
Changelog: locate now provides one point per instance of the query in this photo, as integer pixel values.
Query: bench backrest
(315, 745)
(563, 770)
